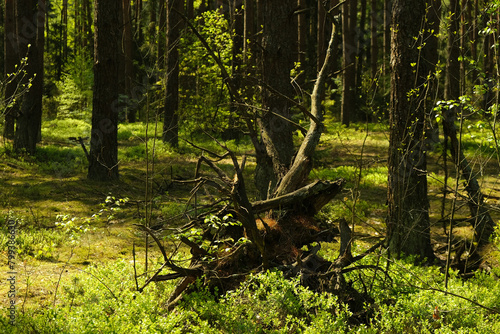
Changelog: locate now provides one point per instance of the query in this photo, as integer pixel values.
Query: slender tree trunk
(11, 52)
(171, 117)
(127, 49)
(103, 160)
(483, 224)
(408, 206)
(31, 14)
(374, 39)
(387, 35)
(350, 50)
(162, 37)
(64, 27)
(452, 84)
(302, 36)
(360, 36)
(87, 27)
(321, 47)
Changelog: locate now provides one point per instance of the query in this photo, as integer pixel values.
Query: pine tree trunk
(374, 39)
(31, 42)
(127, 46)
(275, 155)
(11, 52)
(170, 116)
(408, 206)
(350, 50)
(103, 160)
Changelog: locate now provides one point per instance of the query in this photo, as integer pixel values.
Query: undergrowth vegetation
(104, 299)
(76, 242)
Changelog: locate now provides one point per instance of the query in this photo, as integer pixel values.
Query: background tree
(350, 51)
(173, 33)
(103, 161)
(408, 207)
(30, 28)
(11, 56)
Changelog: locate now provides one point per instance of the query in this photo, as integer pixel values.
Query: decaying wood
(311, 198)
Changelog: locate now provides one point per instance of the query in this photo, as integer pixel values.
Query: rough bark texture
(170, 116)
(408, 216)
(103, 163)
(275, 154)
(31, 15)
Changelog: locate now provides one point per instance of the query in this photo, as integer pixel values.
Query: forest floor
(39, 190)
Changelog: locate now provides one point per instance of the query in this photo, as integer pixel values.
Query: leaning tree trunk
(408, 215)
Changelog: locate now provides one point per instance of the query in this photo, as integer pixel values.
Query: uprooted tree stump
(239, 237)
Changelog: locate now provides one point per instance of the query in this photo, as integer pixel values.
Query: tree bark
(103, 162)
(31, 14)
(302, 163)
(170, 116)
(408, 216)
(452, 84)
(275, 154)
(127, 50)
(350, 51)
(374, 39)
(11, 52)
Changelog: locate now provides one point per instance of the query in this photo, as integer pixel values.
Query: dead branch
(313, 197)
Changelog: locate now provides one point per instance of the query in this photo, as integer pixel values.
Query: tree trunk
(87, 27)
(170, 116)
(31, 14)
(408, 216)
(162, 37)
(350, 50)
(360, 36)
(301, 37)
(452, 84)
(483, 224)
(374, 39)
(387, 35)
(127, 49)
(321, 48)
(11, 52)
(103, 160)
(302, 163)
(275, 155)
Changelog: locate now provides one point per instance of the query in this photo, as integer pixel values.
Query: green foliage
(39, 243)
(203, 96)
(101, 299)
(268, 303)
(61, 129)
